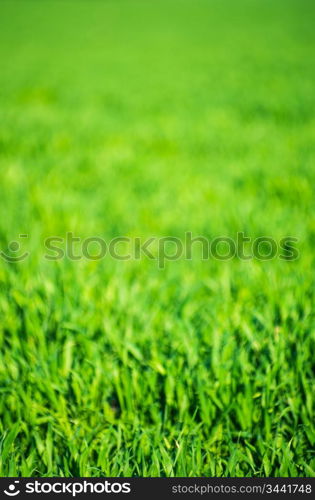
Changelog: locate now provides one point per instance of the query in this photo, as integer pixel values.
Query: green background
(129, 118)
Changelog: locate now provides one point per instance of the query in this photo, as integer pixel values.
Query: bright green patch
(129, 118)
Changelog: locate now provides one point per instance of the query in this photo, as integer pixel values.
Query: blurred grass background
(138, 118)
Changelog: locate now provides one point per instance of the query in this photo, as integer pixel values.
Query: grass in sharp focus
(133, 119)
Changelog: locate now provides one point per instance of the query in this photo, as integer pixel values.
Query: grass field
(139, 119)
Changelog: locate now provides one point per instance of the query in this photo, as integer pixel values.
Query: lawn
(148, 119)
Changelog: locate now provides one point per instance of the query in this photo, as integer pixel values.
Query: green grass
(129, 118)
